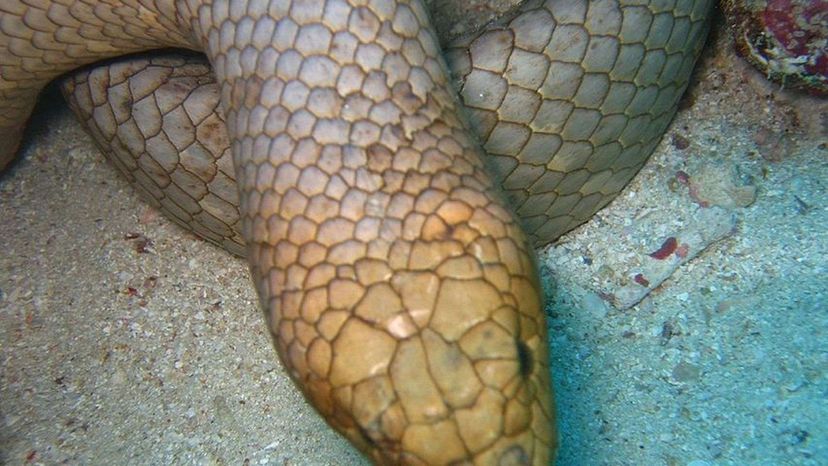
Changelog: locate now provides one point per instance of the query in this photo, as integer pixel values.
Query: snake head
(444, 362)
(469, 387)
(439, 363)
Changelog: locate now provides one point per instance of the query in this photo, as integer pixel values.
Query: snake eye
(525, 360)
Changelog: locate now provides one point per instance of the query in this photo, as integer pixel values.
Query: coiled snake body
(398, 284)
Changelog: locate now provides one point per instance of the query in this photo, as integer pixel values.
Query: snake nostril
(525, 360)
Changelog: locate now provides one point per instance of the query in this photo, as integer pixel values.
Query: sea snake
(398, 284)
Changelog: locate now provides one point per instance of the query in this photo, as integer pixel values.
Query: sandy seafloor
(111, 356)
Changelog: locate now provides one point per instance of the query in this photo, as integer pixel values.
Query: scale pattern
(571, 98)
(40, 40)
(400, 290)
(157, 119)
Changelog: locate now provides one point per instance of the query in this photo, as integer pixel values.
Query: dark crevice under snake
(399, 286)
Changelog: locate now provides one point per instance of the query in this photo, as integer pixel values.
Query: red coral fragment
(799, 28)
(639, 278)
(668, 247)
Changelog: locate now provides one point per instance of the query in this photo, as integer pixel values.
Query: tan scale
(400, 290)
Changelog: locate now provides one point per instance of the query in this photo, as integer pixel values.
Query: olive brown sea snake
(399, 286)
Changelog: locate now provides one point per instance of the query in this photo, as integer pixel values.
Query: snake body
(398, 284)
